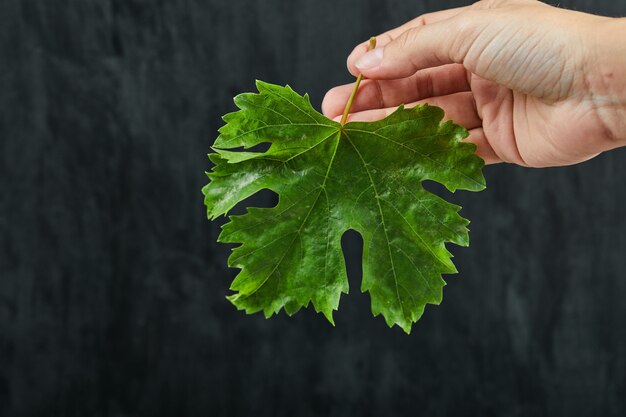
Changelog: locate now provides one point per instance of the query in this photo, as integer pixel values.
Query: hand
(535, 85)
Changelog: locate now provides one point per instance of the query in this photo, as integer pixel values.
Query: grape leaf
(365, 176)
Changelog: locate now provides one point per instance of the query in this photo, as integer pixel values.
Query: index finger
(385, 38)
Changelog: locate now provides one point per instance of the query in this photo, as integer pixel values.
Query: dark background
(112, 286)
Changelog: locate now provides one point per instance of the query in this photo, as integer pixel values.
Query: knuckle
(408, 37)
(469, 22)
(490, 4)
(424, 19)
(481, 5)
(467, 19)
(425, 86)
(408, 42)
(462, 38)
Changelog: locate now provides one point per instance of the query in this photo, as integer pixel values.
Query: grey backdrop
(112, 286)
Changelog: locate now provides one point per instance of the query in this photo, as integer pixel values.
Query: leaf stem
(346, 110)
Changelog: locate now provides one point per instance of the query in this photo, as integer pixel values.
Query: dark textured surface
(112, 288)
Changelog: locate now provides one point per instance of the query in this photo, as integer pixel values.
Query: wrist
(606, 78)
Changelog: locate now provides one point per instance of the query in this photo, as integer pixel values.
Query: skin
(535, 85)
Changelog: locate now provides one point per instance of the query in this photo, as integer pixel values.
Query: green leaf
(362, 176)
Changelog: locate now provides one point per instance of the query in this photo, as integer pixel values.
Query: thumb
(432, 45)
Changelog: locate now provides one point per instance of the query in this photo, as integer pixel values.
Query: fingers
(483, 148)
(443, 42)
(458, 107)
(375, 94)
(385, 38)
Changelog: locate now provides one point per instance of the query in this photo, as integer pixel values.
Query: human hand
(535, 85)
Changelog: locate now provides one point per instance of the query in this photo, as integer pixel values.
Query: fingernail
(370, 60)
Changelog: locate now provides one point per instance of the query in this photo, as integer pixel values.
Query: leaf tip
(329, 316)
